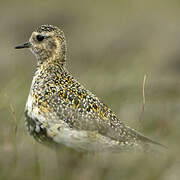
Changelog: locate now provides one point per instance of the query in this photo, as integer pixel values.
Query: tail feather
(145, 139)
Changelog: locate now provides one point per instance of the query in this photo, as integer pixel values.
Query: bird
(60, 110)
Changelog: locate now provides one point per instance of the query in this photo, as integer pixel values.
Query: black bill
(25, 45)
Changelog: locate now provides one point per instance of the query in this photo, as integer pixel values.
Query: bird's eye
(39, 37)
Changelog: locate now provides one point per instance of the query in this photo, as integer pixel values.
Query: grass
(127, 53)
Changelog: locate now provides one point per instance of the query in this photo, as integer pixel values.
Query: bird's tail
(145, 139)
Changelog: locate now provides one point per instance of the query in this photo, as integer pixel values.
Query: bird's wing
(84, 111)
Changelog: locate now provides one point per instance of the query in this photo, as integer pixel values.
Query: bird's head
(47, 42)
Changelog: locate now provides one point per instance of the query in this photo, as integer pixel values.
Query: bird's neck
(53, 64)
(50, 61)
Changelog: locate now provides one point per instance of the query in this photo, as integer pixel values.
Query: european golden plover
(59, 110)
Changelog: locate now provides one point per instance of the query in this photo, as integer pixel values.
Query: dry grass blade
(14, 117)
(143, 99)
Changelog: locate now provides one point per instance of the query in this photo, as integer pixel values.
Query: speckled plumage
(60, 110)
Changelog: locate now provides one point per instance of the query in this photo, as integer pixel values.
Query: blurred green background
(111, 46)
